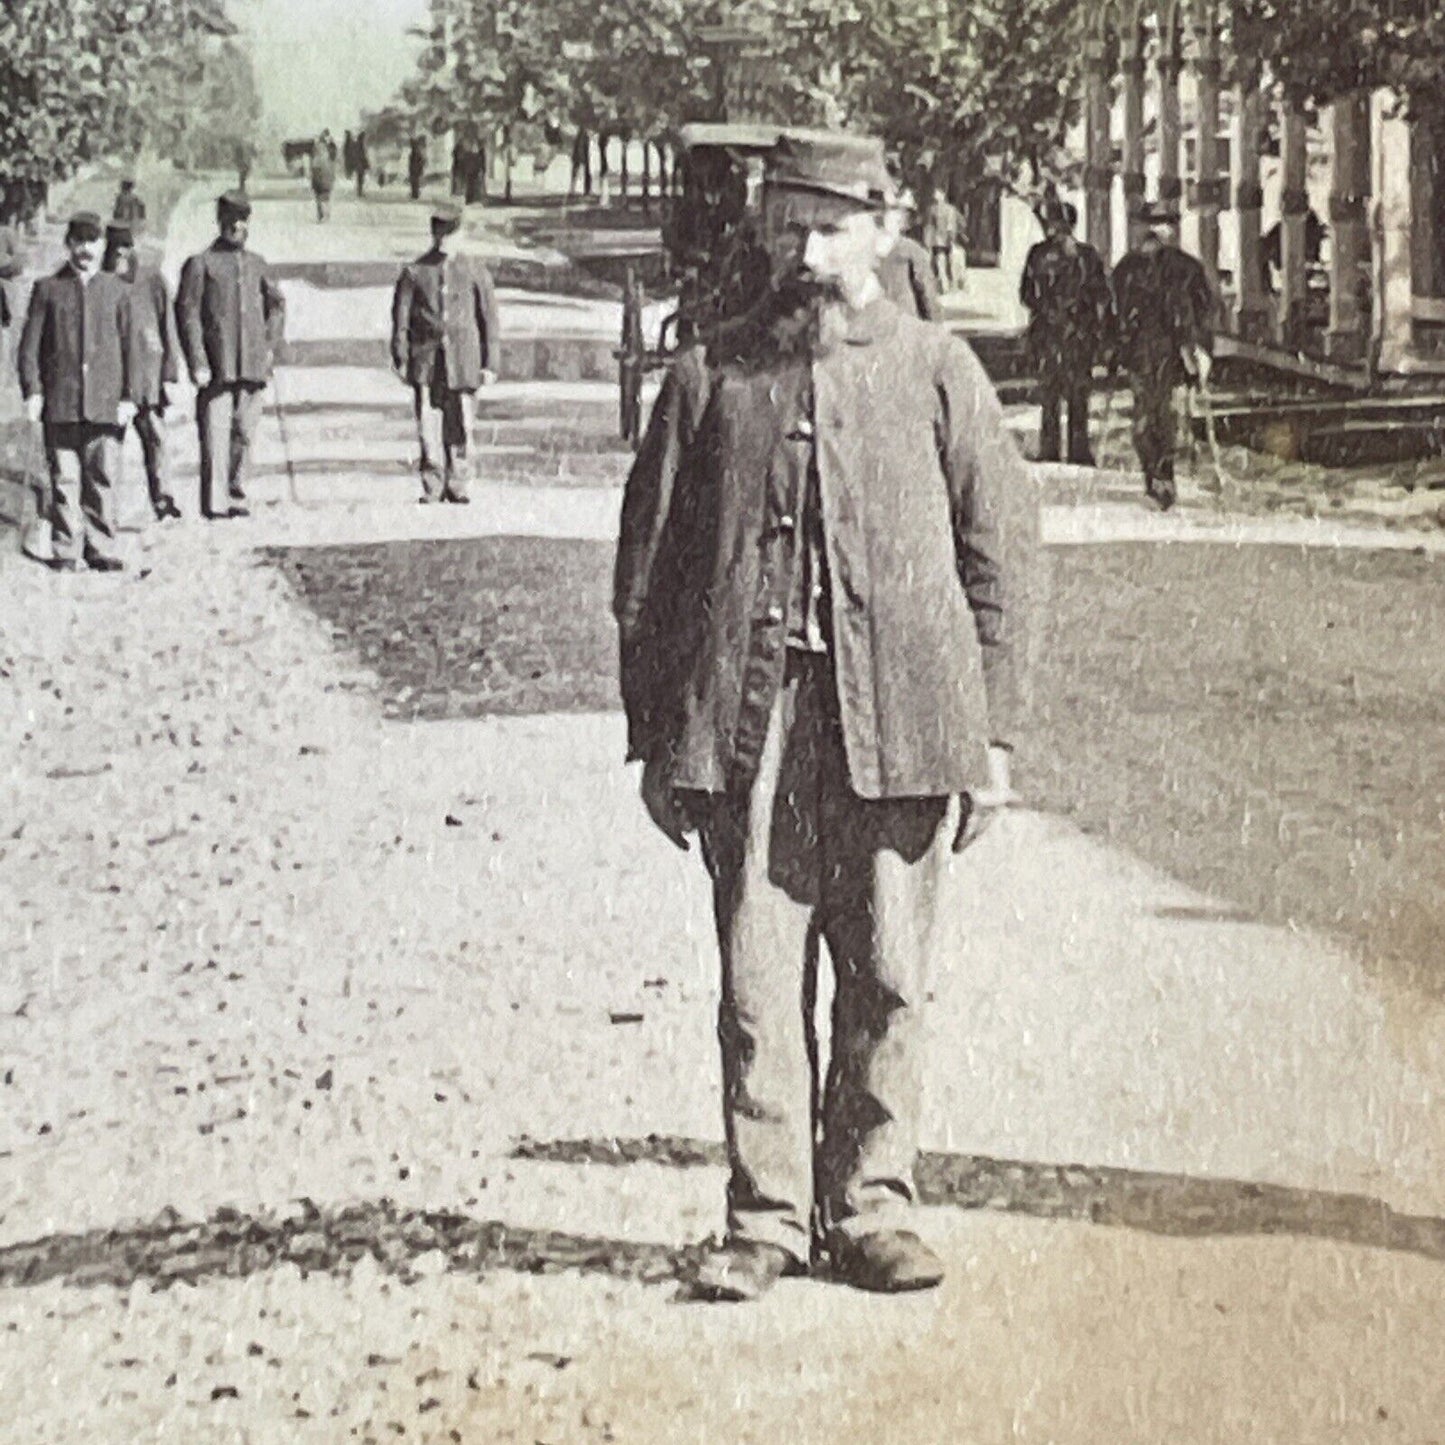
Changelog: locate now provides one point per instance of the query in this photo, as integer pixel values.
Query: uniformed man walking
(156, 362)
(444, 345)
(75, 362)
(129, 209)
(415, 166)
(1163, 309)
(323, 174)
(231, 315)
(827, 551)
(906, 272)
(1065, 289)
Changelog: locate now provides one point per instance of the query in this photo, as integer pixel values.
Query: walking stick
(34, 514)
(278, 410)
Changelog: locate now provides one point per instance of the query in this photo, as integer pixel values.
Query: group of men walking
(1152, 320)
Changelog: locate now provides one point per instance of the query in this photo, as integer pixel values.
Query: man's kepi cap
(448, 214)
(829, 172)
(84, 226)
(234, 205)
(119, 235)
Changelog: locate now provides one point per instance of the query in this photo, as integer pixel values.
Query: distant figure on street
(1163, 309)
(415, 166)
(323, 174)
(348, 155)
(444, 345)
(360, 161)
(826, 567)
(942, 230)
(129, 209)
(906, 271)
(1065, 290)
(156, 362)
(245, 156)
(231, 316)
(12, 265)
(75, 364)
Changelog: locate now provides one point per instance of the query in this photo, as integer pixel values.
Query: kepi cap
(1159, 213)
(84, 226)
(446, 213)
(234, 204)
(119, 235)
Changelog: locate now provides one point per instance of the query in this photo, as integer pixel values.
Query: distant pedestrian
(12, 264)
(361, 161)
(415, 166)
(905, 272)
(323, 174)
(444, 345)
(245, 155)
(1065, 290)
(1163, 309)
(942, 231)
(129, 209)
(156, 361)
(75, 375)
(348, 155)
(231, 316)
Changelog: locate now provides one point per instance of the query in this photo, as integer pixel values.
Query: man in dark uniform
(444, 345)
(129, 209)
(156, 362)
(828, 552)
(1065, 290)
(230, 314)
(906, 272)
(75, 364)
(1163, 310)
(415, 166)
(360, 161)
(323, 174)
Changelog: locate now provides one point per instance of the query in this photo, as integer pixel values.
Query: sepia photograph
(723, 722)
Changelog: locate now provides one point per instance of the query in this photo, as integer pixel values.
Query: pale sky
(322, 62)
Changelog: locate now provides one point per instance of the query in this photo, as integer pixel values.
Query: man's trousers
(1060, 388)
(445, 422)
(226, 419)
(1154, 424)
(83, 460)
(798, 859)
(150, 427)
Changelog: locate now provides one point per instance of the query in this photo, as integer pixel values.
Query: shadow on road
(231, 1244)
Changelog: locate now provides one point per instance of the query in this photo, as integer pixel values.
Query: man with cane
(230, 314)
(76, 358)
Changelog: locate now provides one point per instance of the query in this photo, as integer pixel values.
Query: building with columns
(1170, 116)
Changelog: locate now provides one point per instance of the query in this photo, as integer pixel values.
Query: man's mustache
(798, 286)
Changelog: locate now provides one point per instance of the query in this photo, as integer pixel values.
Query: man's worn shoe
(739, 1271)
(888, 1261)
(1161, 491)
(239, 510)
(63, 564)
(98, 562)
(166, 509)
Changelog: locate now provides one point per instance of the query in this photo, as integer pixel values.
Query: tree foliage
(84, 78)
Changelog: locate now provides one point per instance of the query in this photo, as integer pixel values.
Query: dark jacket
(444, 311)
(230, 315)
(129, 209)
(1162, 304)
(157, 344)
(931, 542)
(77, 347)
(907, 277)
(1066, 293)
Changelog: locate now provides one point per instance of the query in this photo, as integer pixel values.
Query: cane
(35, 534)
(278, 410)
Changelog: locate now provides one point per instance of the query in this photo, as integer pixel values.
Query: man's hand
(125, 414)
(34, 407)
(663, 805)
(489, 378)
(201, 378)
(980, 806)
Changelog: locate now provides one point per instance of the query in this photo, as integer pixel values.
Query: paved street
(289, 985)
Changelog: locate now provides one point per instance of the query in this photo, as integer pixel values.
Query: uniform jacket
(157, 345)
(1069, 304)
(230, 315)
(444, 312)
(1162, 303)
(77, 347)
(907, 278)
(930, 538)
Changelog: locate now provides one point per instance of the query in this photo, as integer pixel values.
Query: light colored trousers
(226, 419)
(445, 424)
(798, 860)
(82, 460)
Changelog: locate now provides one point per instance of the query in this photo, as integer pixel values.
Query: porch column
(1210, 189)
(1294, 208)
(1099, 148)
(1393, 260)
(1350, 251)
(1251, 314)
(1168, 64)
(1134, 134)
